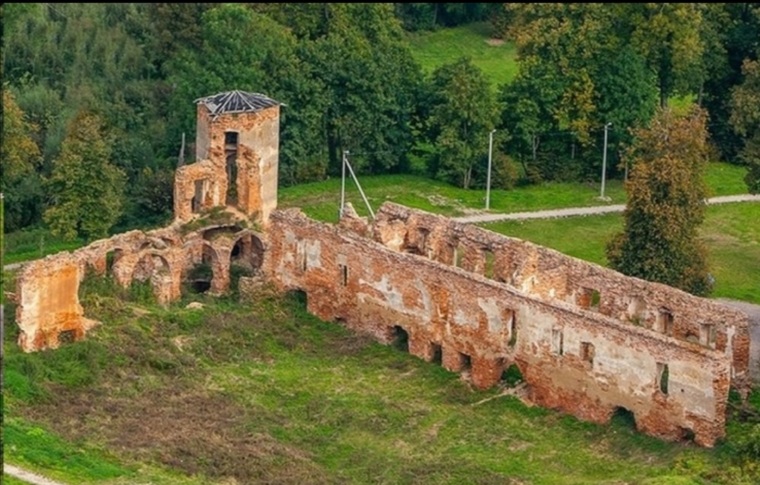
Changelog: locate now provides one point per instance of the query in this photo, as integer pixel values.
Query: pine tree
(666, 204)
(86, 190)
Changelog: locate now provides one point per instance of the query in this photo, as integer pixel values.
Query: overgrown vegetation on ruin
(264, 392)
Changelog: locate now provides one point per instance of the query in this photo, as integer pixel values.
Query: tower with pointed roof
(236, 152)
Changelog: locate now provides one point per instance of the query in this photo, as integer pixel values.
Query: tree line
(97, 97)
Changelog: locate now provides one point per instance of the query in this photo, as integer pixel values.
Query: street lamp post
(488, 177)
(604, 159)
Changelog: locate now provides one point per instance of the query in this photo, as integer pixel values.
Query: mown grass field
(266, 393)
(321, 200)
(496, 59)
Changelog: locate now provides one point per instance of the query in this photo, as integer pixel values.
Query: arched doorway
(198, 277)
(246, 258)
(149, 277)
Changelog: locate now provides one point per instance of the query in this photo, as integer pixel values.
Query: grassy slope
(268, 393)
(432, 49)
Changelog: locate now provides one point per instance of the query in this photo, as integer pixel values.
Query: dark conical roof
(236, 102)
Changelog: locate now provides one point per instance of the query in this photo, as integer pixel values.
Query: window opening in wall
(418, 246)
(299, 297)
(303, 258)
(707, 335)
(687, 434)
(231, 153)
(512, 376)
(198, 198)
(589, 299)
(66, 337)
(343, 274)
(422, 245)
(400, 338)
(587, 352)
(557, 342)
(112, 257)
(198, 278)
(624, 418)
(489, 259)
(512, 330)
(437, 353)
(662, 377)
(636, 310)
(465, 362)
(665, 322)
(458, 256)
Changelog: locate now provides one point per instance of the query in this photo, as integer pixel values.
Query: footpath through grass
(497, 59)
(321, 200)
(266, 393)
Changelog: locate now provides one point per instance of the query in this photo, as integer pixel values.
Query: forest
(97, 97)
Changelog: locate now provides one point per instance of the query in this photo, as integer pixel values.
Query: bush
(505, 172)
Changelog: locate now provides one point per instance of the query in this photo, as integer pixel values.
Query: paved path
(28, 476)
(584, 211)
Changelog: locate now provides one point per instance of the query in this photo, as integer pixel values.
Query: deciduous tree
(666, 204)
(578, 72)
(19, 159)
(85, 188)
(463, 111)
(745, 118)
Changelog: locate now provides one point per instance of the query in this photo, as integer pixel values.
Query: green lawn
(725, 179)
(442, 46)
(266, 393)
(321, 200)
(731, 231)
(34, 243)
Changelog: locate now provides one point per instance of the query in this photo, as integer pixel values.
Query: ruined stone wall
(48, 303)
(587, 363)
(555, 277)
(212, 178)
(47, 290)
(256, 161)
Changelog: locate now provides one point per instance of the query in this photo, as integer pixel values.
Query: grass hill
(496, 58)
(263, 392)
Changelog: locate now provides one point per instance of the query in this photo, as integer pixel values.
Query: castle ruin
(588, 340)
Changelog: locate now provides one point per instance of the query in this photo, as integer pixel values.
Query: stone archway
(248, 251)
(246, 257)
(205, 272)
(155, 268)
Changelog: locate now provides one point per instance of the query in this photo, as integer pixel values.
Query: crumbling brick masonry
(479, 301)
(588, 341)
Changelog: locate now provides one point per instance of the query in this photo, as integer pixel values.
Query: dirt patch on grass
(191, 430)
(495, 42)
